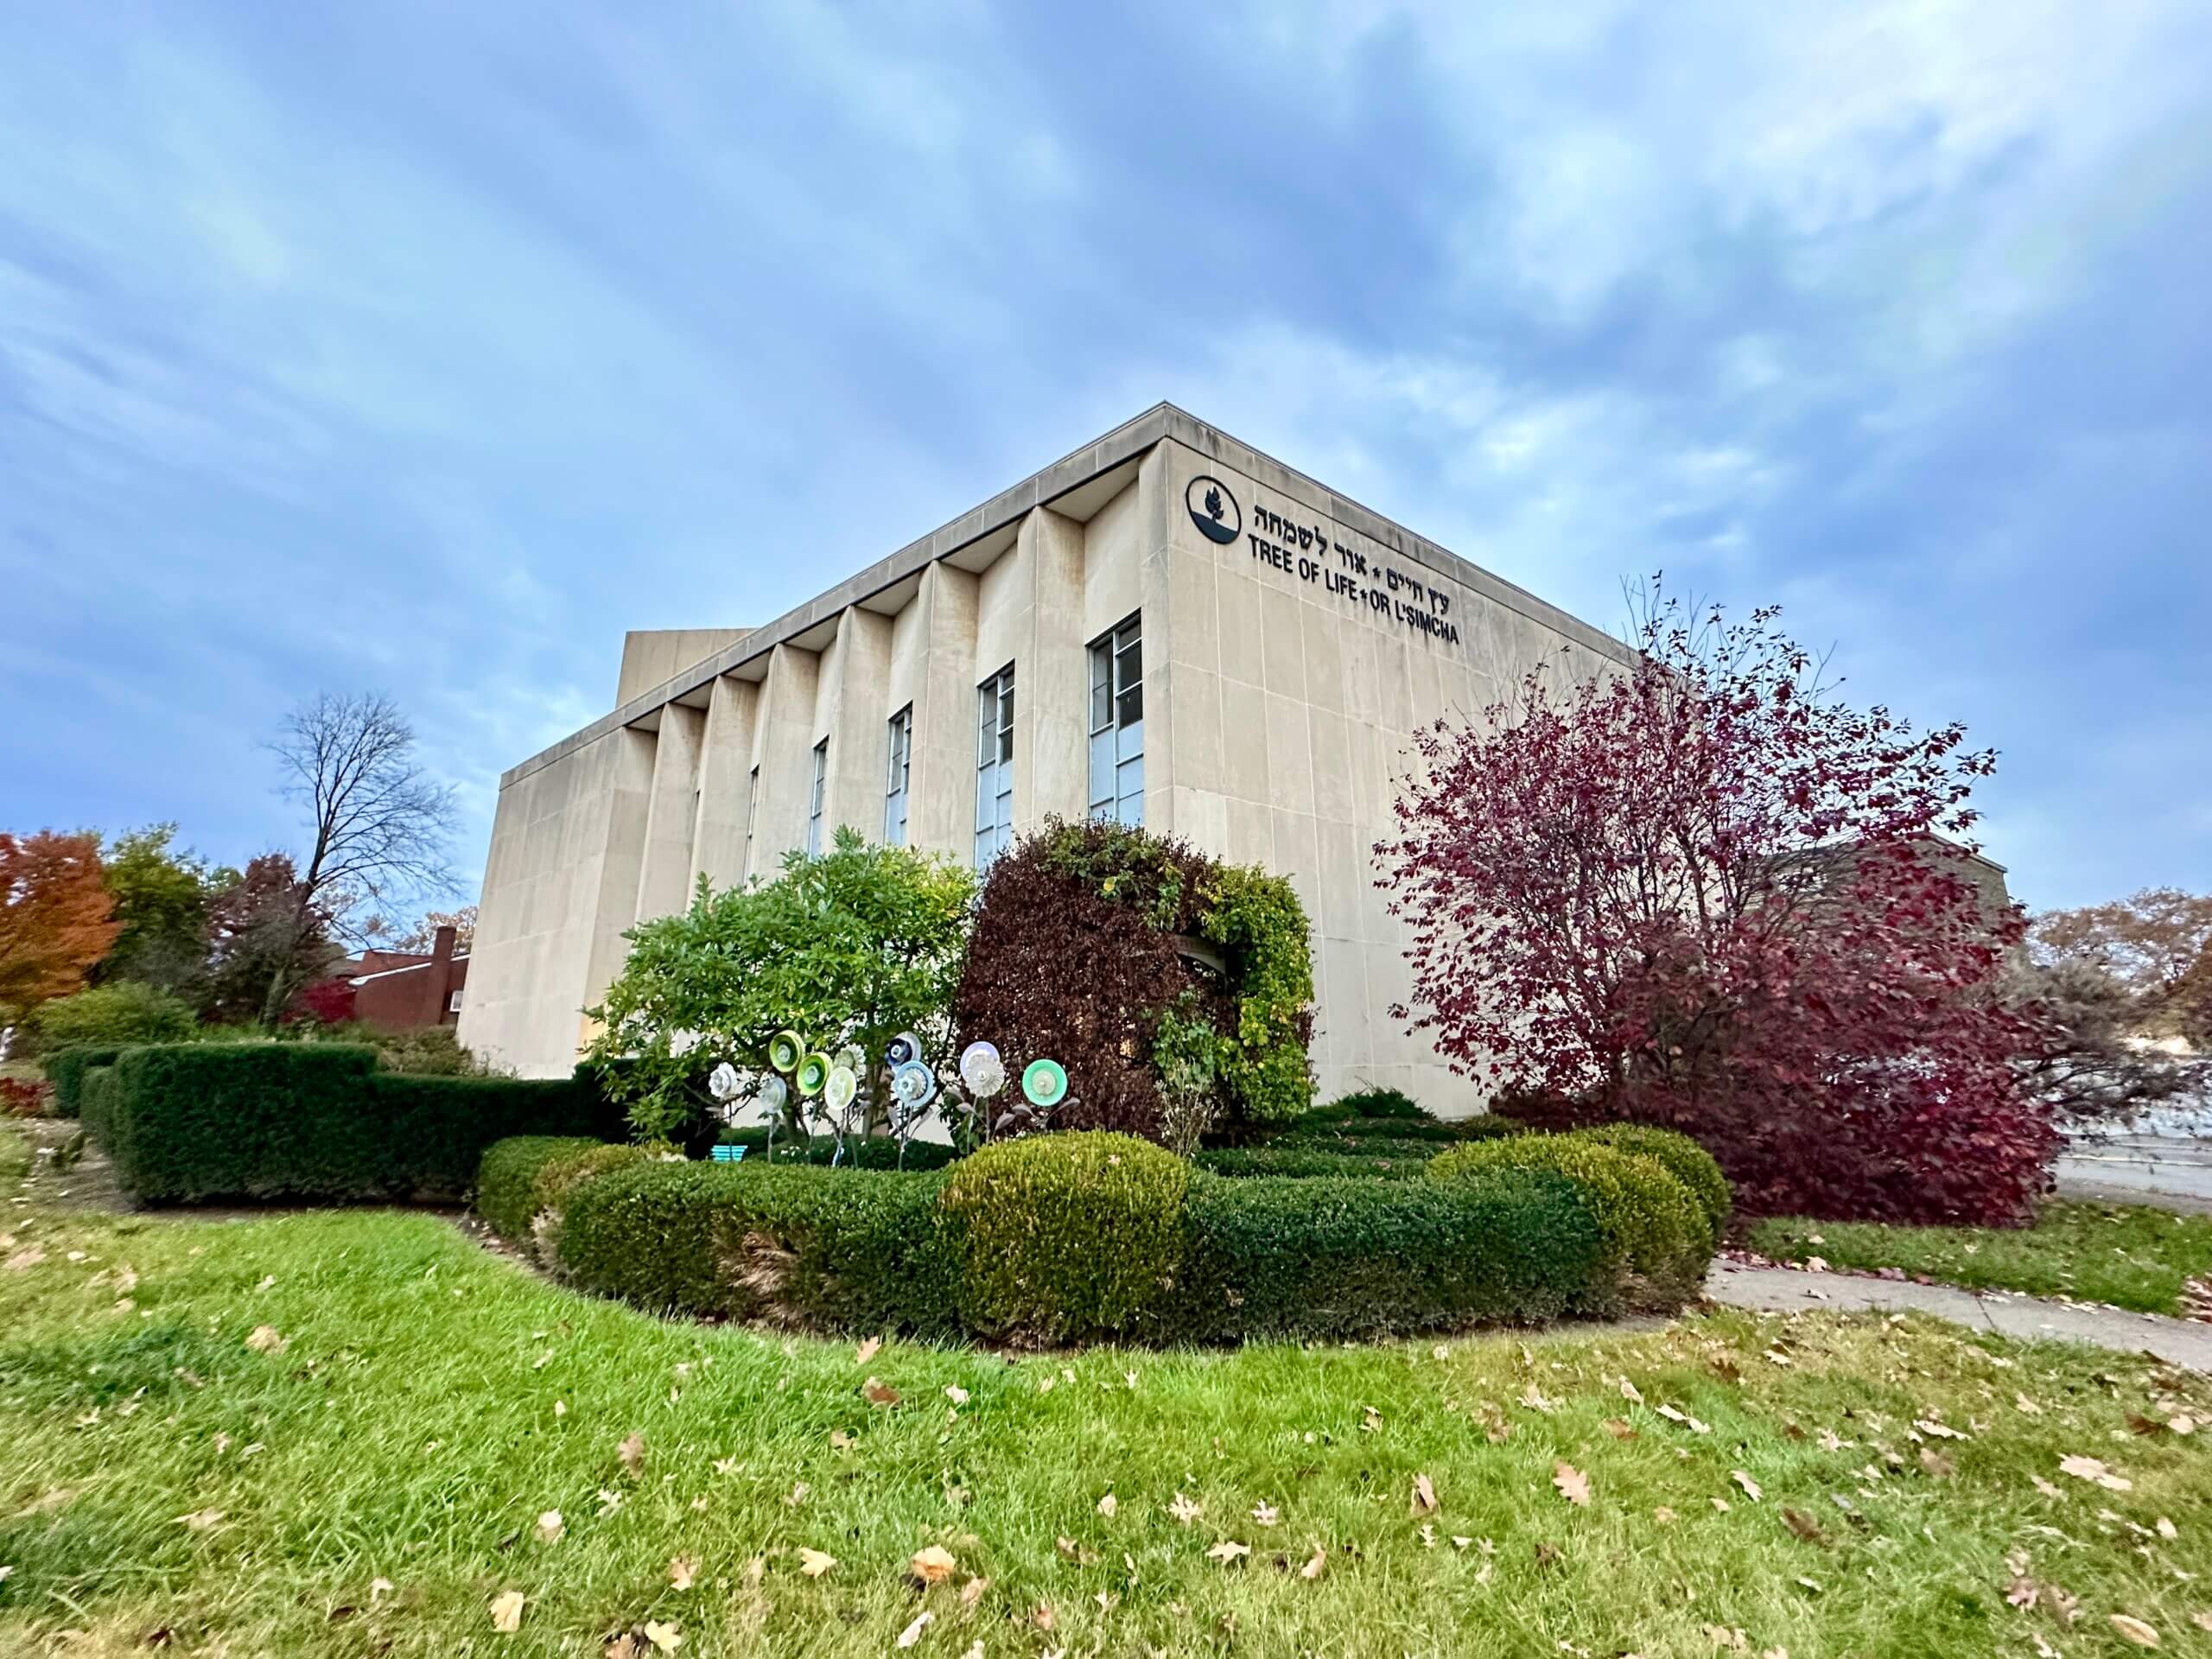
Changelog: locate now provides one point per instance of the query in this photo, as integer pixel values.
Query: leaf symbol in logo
(1213, 503)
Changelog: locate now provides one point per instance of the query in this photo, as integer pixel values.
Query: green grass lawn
(2129, 1255)
(373, 1485)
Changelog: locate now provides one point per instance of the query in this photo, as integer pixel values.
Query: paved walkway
(1778, 1290)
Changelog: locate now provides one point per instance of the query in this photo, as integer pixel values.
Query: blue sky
(427, 347)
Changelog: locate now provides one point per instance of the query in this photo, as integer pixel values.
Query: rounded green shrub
(1687, 1162)
(1653, 1233)
(506, 1178)
(1065, 1236)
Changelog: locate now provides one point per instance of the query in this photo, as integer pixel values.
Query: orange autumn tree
(56, 918)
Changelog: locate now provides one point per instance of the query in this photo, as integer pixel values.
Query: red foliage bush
(1706, 894)
(19, 1098)
(329, 1001)
(1072, 960)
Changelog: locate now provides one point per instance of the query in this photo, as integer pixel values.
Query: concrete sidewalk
(1778, 1290)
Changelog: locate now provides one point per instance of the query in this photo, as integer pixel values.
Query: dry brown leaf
(867, 1350)
(841, 1441)
(507, 1612)
(632, 1452)
(2135, 1629)
(1573, 1485)
(1184, 1511)
(29, 1256)
(878, 1392)
(972, 1591)
(264, 1340)
(549, 1527)
(2093, 1469)
(682, 1571)
(913, 1633)
(1312, 1569)
(1042, 1617)
(1424, 1495)
(1228, 1550)
(1750, 1487)
(1664, 1516)
(1936, 1464)
(1804, 1526)
(666, 1637)
(1265, 1513)
(1108, 1505)
(934, 1565)
(815, 1562)
(1619, 1428)
(955, 1392)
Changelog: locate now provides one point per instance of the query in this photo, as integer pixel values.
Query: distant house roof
(408, 968)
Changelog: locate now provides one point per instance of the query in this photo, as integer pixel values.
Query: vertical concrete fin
(725, 783)
(671, 813)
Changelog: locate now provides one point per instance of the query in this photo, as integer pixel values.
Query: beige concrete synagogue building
(1166, 627)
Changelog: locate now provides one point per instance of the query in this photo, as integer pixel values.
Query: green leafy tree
(854, 946)
(113, 1016)
(162, 895)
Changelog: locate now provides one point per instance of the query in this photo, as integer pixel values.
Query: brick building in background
(401, 991)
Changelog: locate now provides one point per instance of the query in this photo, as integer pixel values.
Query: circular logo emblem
(1214, 510)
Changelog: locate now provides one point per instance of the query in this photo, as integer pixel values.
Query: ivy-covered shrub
(831, 1248)
(1065, 1237)
(507, 1179)
(1655, 1237)
(66, 1069)
(1686, 1160)
(1174, 989)
(1336, 1258)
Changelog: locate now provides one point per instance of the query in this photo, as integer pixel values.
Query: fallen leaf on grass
(1312, 1570)
(549, 1527)
(1936, 1464)
(29, 1256)
(972, 1591)
(878, 1392)
(378, 1588)
(1664, 1516)
(1619, 1428)
(1750, 1487)
(1424, 1495)
(867, 1350)
(955, 1392)
(667, 1637)
(815, 1562)
(1228, 1550)
(934, 1565)
(1265, 1515)
(201, 1520)
(1534, 1399)
(1108, 1505)
(2093, 1469)
(506, 1613)
(264, 1340)
(841, 1441)
(682, 1571)
(2135, 1629)
(1184, 1511)
(1674, 1415)
(1573, 1485)
(632, 1452)
(1804, 1526)
(913, 1633)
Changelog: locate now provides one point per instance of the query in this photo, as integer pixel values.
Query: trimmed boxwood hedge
(66, 1069)
(1078, 1237)
(1336, 1258)
(1243, 1162)
(507, 1179)
(189, 1122)
(798, 1245)
(1656, 1239)
(1686, 1160)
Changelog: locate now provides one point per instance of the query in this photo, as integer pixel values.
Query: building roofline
(408, 968)
(1072, 472)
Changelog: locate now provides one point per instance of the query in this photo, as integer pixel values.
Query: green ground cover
(2131, 1256)
(336, 1433)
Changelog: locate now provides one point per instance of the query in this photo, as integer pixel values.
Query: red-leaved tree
(1706, 893)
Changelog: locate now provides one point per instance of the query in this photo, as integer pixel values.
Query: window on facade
(814, 800)
(1117, 725)
(894, 788)
(993, 766)
(453, 1003)
(752, 817)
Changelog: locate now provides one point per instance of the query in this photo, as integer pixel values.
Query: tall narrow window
(752, 817)
(894, 788)
(814, 800)
(1117, 725)
(993, 766)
